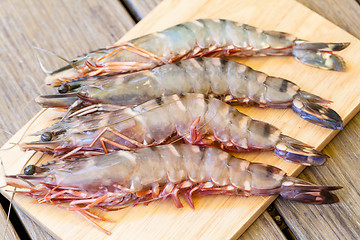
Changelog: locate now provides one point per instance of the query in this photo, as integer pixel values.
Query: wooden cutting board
(215, 217)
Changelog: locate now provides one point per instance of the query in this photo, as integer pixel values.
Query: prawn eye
(46, 136)
(30, 170)
(64, 88)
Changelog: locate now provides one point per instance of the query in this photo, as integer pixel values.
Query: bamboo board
(216, 217)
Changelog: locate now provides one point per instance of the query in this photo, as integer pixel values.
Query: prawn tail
(293, 150)
(320, 55)
(301, 191)
(315, 110)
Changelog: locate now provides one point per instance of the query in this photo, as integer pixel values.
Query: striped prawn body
(219, 77)
(193, 117)
(202, 37)
(116, 180)
(227, 80)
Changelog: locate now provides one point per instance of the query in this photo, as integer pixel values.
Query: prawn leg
(195, 136)
(94, 108)
(104, 140)
(124, 66)
(135, 49)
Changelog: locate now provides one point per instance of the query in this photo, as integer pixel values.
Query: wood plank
(263, 228)
(346, 14)
(33, 229)
(229, 216)
(52, 25)
(47, 25)
(260, 229)
(342, 220)
(9, 233)
(139, 9)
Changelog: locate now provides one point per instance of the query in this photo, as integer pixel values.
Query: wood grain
(55, 26)
(344, 17)
(225, 212)
(140, 9)
(9, 233)
(264, 228)
(84, 26)
(32, 228)
(340, 221)
(344, 13)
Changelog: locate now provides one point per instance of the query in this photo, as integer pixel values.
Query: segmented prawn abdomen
(255, 85)
(279, 40)
(214, 34)
(237, 80)
(180, 39)
(227, 124)
(248, 85)
(215, 69)
(173, 79)
(256, 37)
(157, 118)
(264, 183)
(216, 166)
(279, 90)
(194, 162)
(239, 175)
(197, 74)
(262, 135)
(150, 168)
(174, 41)
(215, 117)
(236, 35)
(176, 169)
(185, 109)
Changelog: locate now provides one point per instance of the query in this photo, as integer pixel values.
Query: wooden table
(92, 24)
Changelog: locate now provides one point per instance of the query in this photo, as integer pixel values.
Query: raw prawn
(194, 118)
(120, 179)
(202, 37)
(227, 80)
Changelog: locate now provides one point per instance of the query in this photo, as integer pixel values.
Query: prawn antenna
(3, 172)
(8, 216)
(25, 132)
(10, 204)
(70, 64)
